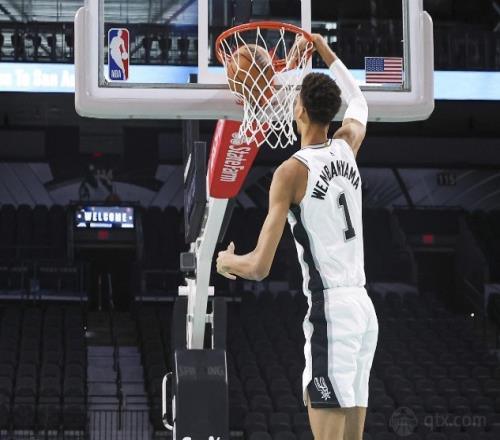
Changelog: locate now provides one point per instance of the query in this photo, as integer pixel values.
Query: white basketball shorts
(341, 331)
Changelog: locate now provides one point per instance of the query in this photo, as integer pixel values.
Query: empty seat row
(38, 232)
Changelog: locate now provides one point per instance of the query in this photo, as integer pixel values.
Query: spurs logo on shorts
(322, 387)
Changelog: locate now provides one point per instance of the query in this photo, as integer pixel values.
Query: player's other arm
(353, 128)
(257, 264)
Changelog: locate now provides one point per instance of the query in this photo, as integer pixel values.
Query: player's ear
(304, 117)
(299, 110)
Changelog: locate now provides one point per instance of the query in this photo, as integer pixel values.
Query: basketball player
(319, 188)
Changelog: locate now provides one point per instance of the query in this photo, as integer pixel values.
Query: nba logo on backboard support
(118, 60)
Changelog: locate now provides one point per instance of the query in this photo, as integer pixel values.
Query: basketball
(250, 72)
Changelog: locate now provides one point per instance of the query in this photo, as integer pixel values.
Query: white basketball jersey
(327, 225)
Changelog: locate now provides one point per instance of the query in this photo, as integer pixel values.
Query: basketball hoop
(264, 63)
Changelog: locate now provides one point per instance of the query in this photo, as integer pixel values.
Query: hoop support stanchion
(200, 373)
(199, 378)
(230, 161)
(198, 295)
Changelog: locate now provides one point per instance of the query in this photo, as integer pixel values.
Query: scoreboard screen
(104, 217)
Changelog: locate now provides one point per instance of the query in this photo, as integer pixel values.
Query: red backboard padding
(230, 160)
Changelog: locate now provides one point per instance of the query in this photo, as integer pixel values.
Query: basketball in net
(250, 73)
(265, 63)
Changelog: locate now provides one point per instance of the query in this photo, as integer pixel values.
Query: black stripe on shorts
(320, 389)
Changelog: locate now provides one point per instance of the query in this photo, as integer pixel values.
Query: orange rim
(279, 63)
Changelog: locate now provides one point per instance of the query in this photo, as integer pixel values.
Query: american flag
(384, 70)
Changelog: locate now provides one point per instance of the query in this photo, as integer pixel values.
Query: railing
(30, 251)
(116, 350)
(158, 280)
(43, 435)
(114, 339)
(118, 425)
(43, 279)
(102, 425)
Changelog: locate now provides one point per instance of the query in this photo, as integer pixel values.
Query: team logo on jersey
(118, 54)
(322, 387)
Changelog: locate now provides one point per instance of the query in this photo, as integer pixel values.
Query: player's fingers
(305, 42)
(227, 275)
(301, 42)
(231, 247)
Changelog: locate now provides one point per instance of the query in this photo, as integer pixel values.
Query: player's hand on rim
(301, 45)
(222, 262)
(318, 39)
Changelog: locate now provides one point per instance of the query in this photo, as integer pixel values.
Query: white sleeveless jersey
(327, 225)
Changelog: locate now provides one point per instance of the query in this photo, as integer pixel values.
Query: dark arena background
(92, 226)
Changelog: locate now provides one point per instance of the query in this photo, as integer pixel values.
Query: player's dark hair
(320, 96)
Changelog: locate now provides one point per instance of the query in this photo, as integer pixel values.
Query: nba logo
(118, 44)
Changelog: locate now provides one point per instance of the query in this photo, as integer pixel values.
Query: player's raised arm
(353, 128)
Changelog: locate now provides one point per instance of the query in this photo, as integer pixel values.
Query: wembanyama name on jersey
(337, 168)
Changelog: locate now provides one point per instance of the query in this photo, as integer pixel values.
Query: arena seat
(308, 435)
(484, 436)
(260, 435)
(33, 353)
(49, 416)
(155, 354)
(255, 422)
(279, 422)
(23, 415)
(387, 258)
(385, 436)
(284, 435)
(24, 231)
(7, 231)
(74, 417)
(40, 231)
(57, 232)
(5, 415)
(301, 423)
(436, 436)
(486, 229)
(33, 251)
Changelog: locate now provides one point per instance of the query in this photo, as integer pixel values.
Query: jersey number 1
(349, 233)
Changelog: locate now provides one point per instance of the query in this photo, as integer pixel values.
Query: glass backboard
(172, 41)
(158, 57)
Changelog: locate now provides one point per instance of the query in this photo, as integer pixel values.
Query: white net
(264, 67)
